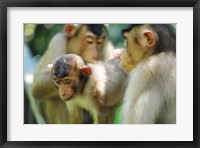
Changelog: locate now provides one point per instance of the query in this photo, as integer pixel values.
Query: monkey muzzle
(66, 95)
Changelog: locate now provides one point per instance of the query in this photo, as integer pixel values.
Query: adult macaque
(89, 41)
(150, 60)
(96, 88)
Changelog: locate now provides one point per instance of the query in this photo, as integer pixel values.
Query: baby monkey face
(68, 75)
(67, 86)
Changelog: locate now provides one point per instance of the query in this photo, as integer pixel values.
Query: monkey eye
(67, 82)
(90, 40)
(100, 41)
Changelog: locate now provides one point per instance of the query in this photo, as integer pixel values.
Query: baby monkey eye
(67, 82)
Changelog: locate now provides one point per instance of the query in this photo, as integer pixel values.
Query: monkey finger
(117, 52)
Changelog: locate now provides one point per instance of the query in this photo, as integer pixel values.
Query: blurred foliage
(115, 34)
(37, 36)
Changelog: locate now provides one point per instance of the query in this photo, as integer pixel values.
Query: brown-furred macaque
(150, 61)
(90, 41)
(96, 87)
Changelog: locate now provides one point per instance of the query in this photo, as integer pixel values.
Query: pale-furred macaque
(96, 87)
(87, 40)
(150, 61)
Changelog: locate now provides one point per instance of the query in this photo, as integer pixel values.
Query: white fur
(150, 96)
(96, 82)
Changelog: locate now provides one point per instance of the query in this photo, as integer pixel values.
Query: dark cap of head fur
(166, 40)
(129, 27)
(61, 68)
(97, 29)
(65, 63)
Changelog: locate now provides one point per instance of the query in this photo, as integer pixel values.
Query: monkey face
(140, 43)
(65, 77)
(66, 91)
(126, 62)
(67, 86)
(88, 45)
(68, 74)
(92, 45)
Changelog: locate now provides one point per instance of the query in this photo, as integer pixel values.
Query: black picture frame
(4, 4)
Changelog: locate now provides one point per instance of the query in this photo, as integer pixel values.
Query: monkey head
(141, 42)
(68, 75)
(87, 40)
(144, 40)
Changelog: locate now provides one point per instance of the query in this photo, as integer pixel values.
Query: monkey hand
(117, 52)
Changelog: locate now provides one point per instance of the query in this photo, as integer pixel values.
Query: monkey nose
(64, 97)
(63, 94)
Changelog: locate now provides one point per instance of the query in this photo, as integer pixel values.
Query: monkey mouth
(66, 98)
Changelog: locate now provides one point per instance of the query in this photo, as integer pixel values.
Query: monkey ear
(86, 70)
(50, 66)
(150, 39)
(70, 29)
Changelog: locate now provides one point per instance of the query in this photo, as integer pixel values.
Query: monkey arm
(76, 115)
(42, 86)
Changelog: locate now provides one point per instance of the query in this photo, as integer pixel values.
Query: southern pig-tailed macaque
(90, 41)
(150, 61)
(97, 88)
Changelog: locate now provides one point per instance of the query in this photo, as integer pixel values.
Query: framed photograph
(129, 67)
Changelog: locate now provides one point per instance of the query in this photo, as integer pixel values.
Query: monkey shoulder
(157, 72)
(59, 38)
(112, 81)
(57, 46)
(96, 82)
(161, 65)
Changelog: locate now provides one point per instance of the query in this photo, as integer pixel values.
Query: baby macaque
(96, 88)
